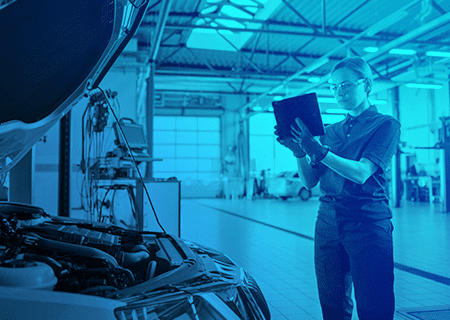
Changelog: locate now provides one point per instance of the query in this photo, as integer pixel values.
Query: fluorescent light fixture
(378, 102)
(270, 109)
(257, 108)
(338, 111)
(407, 52)
(333, 100)
(440, 54)
(326, 100)
(370, 49)
(332, 118)
(423, 85)
(314, 79)
(316, 64)
(278, 98)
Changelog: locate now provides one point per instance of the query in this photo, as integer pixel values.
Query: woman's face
(348, 88)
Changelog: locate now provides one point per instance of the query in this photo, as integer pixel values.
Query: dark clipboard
(304, 107)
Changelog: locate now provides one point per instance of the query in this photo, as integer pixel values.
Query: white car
(287, 184)
(52, 267)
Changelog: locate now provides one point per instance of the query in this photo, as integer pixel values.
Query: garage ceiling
(287, 47)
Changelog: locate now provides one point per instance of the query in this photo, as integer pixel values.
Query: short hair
(357, 65)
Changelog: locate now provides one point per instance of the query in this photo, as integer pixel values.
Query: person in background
(353, 231)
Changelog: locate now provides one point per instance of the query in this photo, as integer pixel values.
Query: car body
(50, 265)
(54, 267)
(287, 184)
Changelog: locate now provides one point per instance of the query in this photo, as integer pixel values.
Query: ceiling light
(440, 54)
(314, 79)
(278, 98)
(370, 49)
(326, 100)
(407, 52)
(336, 111)
(424, 85)
(257, 108)
(270, 109)
(379, 102)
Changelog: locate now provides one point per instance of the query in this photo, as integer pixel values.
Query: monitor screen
(134, 135)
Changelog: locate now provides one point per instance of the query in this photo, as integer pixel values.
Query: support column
(396, 167)
(64, 166)
(149, 117)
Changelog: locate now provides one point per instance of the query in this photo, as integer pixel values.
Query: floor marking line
(411, 270)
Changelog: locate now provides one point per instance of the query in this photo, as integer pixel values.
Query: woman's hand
(292, 145)
(315, 150)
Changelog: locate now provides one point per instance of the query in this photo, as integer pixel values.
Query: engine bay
(78, 256)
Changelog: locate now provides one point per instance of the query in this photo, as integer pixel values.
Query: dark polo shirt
(370, 135)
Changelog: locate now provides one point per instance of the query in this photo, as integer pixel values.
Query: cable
(134, 161)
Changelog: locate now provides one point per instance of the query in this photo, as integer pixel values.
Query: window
(189, 147)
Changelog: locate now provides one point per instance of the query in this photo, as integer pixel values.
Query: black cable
(134, 161)
(101, 204)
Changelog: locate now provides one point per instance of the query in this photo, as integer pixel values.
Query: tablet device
(304, 107)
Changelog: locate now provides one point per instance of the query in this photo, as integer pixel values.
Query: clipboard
(305, 107)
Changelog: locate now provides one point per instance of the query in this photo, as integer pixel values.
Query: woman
(353, 232)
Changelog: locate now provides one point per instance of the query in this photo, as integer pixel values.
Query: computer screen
(134, 134)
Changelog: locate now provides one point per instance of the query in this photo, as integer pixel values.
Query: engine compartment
(85, 257)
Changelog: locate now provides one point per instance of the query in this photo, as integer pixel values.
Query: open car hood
(52, 53)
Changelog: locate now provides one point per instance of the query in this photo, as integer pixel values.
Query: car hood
(54, 52)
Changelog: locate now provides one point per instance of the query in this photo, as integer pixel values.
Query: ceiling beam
(337, 33)
(428, 27)
(408, 37)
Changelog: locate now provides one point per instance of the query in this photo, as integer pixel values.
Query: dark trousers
(358, 252)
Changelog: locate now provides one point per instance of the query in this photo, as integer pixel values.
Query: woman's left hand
(311, 146)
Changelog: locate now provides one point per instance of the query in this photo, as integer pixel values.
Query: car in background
(287, 184)
(53, 267)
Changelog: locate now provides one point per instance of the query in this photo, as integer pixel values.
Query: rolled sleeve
(382, 145)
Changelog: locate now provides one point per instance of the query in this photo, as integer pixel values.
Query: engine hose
(34, 240)
(151, 269)
(55, 265)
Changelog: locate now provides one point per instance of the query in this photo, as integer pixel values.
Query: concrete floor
(273, 240)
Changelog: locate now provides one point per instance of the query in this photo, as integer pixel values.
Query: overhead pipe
(323, 59)
(159, 31)
(155, 45)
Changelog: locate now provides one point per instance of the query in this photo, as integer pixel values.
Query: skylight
(226, 38)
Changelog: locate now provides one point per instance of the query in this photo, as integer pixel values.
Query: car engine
(65, 254)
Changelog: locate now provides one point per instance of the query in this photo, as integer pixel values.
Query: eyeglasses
(346, 85)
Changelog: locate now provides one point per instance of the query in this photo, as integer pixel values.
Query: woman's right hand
(289, 143)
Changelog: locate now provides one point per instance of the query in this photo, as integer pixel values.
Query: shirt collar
(363, 117)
